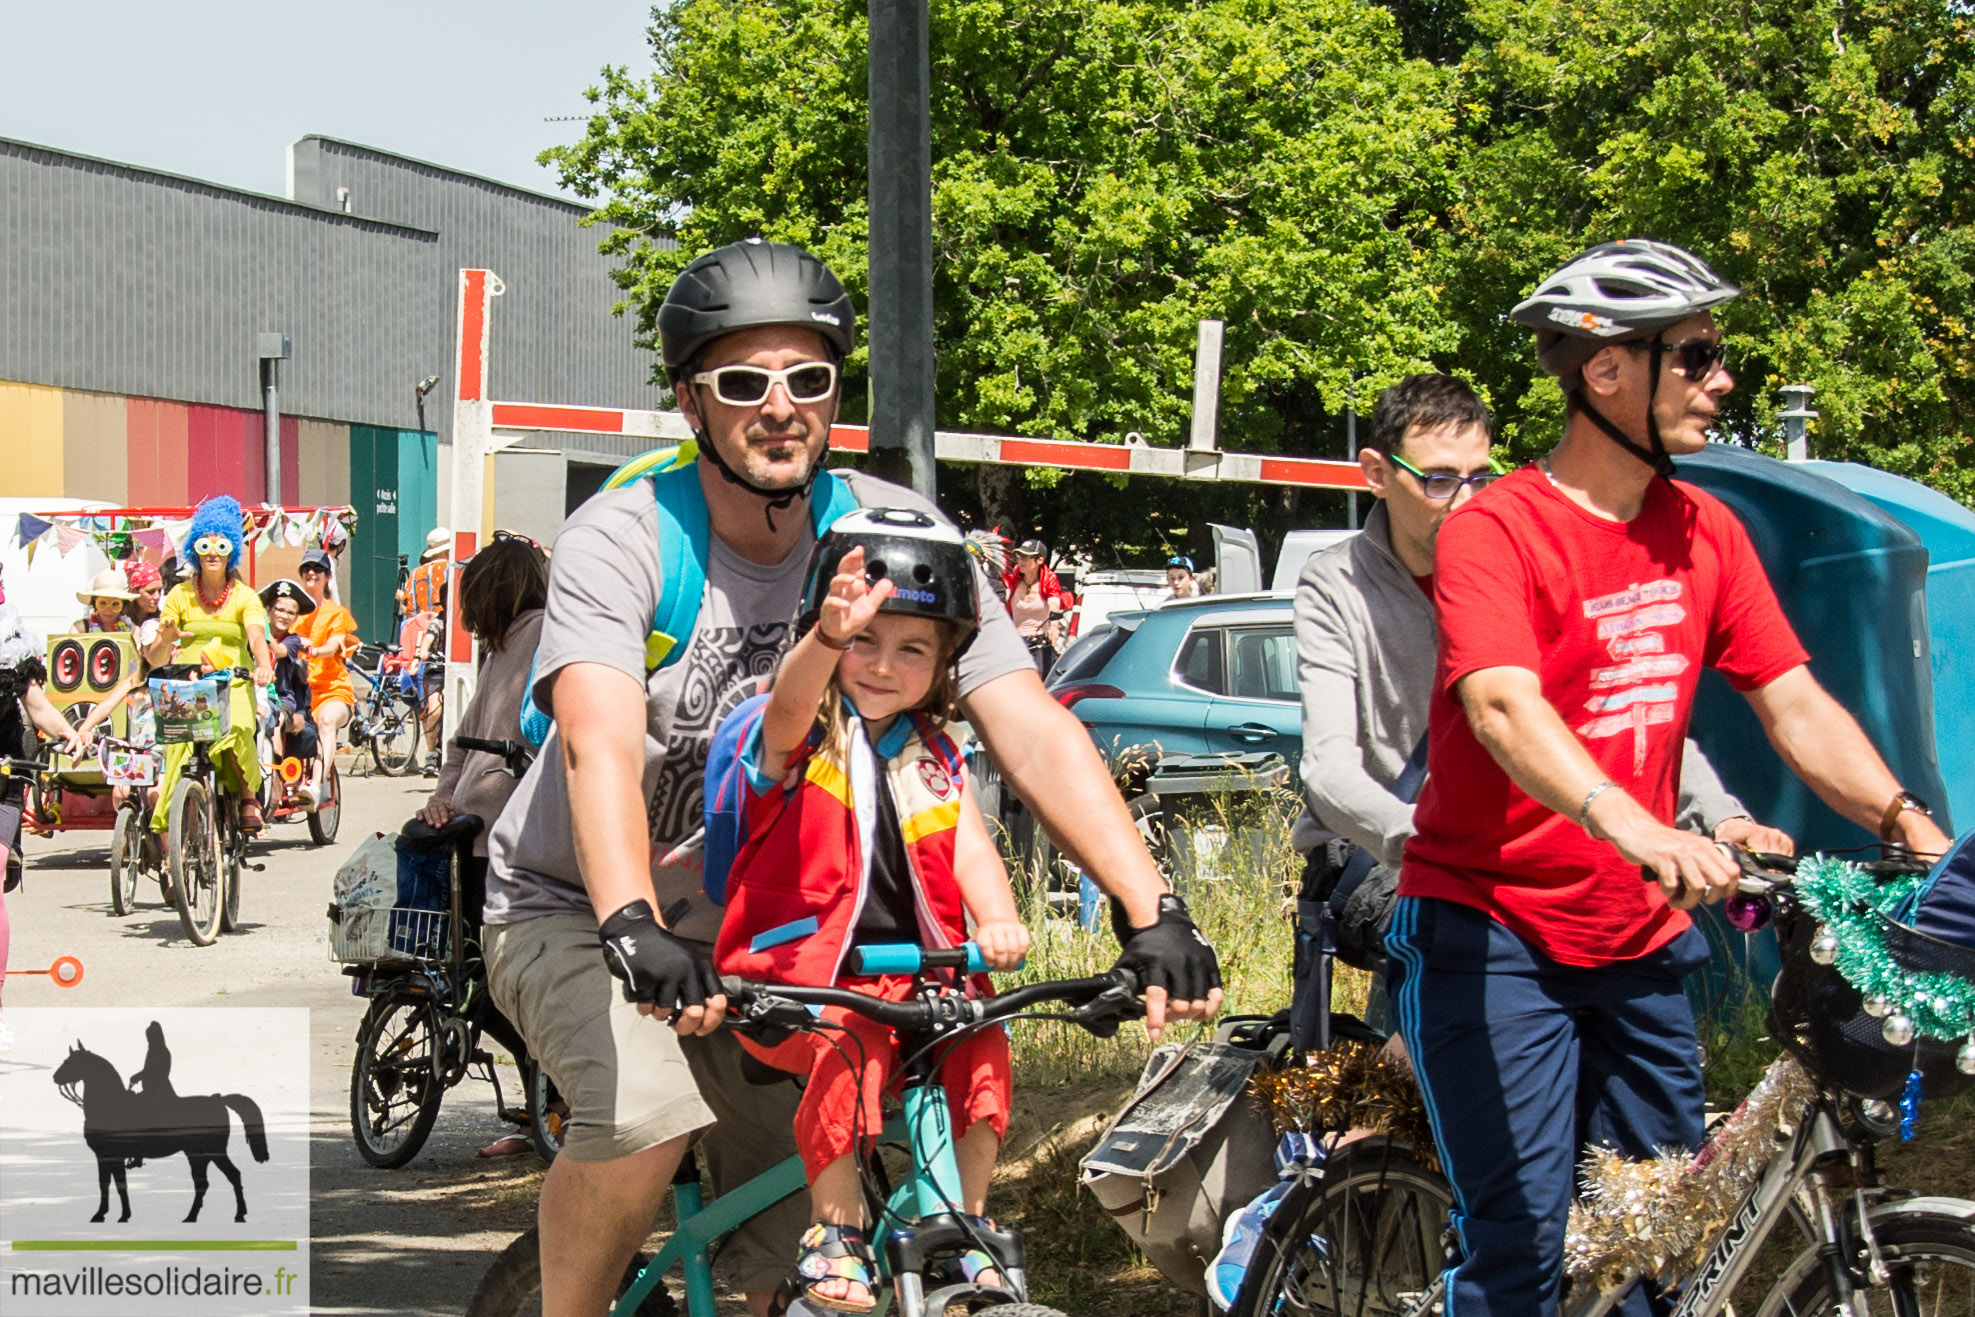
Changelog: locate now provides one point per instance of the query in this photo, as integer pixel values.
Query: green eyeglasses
(1443, 485)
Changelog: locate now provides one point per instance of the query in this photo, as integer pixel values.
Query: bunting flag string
(32, 528)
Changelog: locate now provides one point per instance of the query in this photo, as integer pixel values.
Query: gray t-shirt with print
(603, 593)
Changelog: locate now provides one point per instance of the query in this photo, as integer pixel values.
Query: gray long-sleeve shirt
(1365, 649)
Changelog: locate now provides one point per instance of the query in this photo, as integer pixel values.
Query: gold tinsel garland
(1655, 1217)
(1658, 1217)
(1353, 1085)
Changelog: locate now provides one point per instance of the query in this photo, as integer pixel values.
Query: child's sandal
(970, 1265)
(837, 1253)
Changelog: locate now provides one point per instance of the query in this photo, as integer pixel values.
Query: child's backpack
(726, 796)
(684, 533)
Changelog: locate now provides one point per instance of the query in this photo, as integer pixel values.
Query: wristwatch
(1898, 805)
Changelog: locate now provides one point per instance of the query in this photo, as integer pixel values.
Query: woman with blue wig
(212, 620)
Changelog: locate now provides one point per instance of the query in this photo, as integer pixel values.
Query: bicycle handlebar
(1100, 1000)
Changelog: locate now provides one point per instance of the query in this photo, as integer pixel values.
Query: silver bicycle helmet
(1618, 292)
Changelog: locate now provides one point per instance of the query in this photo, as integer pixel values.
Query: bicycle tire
(396, 1085)
(512, 1287)
(195, 864)
(233, 865)
(1364, 1240)
(126, 858)
(544, 1123)
(394, 736)
(1931, 1258)
(327, 817)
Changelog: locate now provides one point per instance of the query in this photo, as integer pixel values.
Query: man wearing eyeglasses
(1365, 643)
(599, 956)
(1535, 976)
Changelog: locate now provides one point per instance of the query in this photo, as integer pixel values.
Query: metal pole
(901, 311)
(1796, 417)
(1351, 451)
(1206, 387)
(274, 350)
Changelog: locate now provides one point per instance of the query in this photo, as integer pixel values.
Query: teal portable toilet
(1852, 579)
(1948, 531)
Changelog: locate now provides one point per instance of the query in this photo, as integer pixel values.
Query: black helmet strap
(1653, 453)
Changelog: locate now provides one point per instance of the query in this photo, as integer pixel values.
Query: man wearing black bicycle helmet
(1538, 945)
(753, 336)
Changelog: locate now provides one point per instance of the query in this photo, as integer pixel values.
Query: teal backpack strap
(829, 499)
(684, 530)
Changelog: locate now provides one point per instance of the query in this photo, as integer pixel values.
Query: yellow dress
(218, 636)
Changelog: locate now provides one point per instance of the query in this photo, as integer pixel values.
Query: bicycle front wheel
(512, 1287)
(1930, 1264)
(398, 1080)
(327, 816)
(394, 733)
(126, 857)
(1363, 1241)
(195, 862)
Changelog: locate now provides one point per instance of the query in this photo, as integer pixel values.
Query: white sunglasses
(747, 386)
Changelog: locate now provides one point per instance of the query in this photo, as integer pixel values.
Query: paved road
(412, 1241)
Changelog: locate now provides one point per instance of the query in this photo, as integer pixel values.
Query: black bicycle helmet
(925, 560)
(1619, 292)
(746, 285)
(750, 285)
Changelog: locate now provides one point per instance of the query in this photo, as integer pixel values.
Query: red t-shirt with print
(1617, 619)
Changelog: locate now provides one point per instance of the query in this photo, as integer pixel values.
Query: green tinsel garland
(1849, 901)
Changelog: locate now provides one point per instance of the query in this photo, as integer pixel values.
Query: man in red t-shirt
(1535, 975)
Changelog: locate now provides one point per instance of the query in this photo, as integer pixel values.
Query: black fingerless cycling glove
(1170, 953)
(653, 965)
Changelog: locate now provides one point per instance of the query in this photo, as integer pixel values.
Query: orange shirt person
(331, 635)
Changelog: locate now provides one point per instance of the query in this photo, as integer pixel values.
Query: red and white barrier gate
(483, 427)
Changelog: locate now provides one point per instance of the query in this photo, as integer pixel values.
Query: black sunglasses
(1697, 358)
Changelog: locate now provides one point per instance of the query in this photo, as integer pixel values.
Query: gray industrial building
(134, 305)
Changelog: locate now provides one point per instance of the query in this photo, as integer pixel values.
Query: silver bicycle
(1369, 1236)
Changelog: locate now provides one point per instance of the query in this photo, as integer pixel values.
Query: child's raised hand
(851, 603)
(1003, 942)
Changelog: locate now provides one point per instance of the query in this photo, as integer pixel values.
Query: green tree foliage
(1358, 191)
(1816, 153)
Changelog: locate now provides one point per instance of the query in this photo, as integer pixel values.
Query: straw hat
(109, 584)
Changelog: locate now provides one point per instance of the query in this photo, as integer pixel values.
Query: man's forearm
(1523, 733)
(1043, 752)
(1824, 745)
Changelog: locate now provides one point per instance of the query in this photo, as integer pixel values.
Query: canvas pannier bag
(1188, 1150)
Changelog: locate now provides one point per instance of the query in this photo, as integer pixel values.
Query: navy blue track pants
(1522, 1062)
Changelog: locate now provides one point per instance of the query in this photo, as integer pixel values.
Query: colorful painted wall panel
(95, 442)
(323, 463)
(31, 463)
(291, 459)
(158, 438)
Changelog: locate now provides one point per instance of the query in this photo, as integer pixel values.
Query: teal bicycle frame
(930, 1193)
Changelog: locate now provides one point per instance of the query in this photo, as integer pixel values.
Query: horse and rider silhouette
(124, 1126)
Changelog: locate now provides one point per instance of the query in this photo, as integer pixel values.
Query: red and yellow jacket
(797, 887)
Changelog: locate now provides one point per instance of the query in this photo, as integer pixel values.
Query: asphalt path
(410, 1241)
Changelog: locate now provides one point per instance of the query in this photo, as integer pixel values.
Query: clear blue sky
(217, 89)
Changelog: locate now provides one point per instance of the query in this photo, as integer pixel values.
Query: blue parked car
(1215, 675)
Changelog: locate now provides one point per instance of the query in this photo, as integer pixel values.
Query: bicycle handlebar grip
(910, 958)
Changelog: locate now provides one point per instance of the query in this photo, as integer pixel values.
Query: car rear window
(1087, 657)
(1199, 661)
